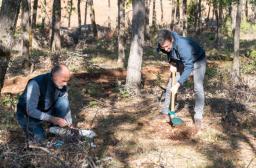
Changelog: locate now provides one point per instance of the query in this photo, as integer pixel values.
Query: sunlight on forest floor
(130, 131)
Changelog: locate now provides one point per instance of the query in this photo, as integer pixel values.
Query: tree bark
(8, 18)
(85, 12)
(109, 20)
(154, 15)
(236, 60)
(43, 15)
(209, 11)
(92, 15)
(35, 5)
(184, 18)
(246, 10)
(173, 20)
(162, 11)
(70, 9)
(147, 29)
(199, 15)
(215, 7)
(27, 32)
(56, 22)
(79, 14)
(121, 33)
(177, 12)
(133, 79)
(220, 13)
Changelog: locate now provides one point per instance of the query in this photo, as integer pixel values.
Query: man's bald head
(60, 75)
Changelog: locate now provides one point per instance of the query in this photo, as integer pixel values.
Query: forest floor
(130, 131)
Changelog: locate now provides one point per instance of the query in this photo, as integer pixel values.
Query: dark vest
(49, 93)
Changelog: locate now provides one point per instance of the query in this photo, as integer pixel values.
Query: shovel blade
(176, 121)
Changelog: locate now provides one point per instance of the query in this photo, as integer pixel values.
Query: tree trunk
(27, 32)
(147, 29)
(154, 15)
(172, 9)
(246, 10)
(162, 11)
(92, 15)
(233, 16)
(177, 12)
(109, 20)
(70, 9)
(43, 15)
(236, 60)
(121, 33)
(209, 11)
(220, 13)
(199, 16)
(56, 21)
(184, 18)
(8, 17)
(217, 26)
(79, 14)
(133, 79)
(85, 12)
(35, 5)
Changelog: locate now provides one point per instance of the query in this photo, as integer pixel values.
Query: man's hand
(173, 68)
(175, 88)
(59, 121)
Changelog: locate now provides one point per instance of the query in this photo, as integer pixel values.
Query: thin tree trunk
(209, 11)
(109, 20)
(199, 15)
(43, 15)
(162, 11)
(79, 14)
(133, 79)
(184, 18)
(121, 33)
(70, 9)
(35, 5)
(85, 12)
(236, 60)
(154, 15)
(233, 14)
(56, 22)
(27, 32)
(92, 15)
(220, 13)
(172, 9)
(147, 29)
(246, 10)
(217, 22)
(8, 18)
(177, 12)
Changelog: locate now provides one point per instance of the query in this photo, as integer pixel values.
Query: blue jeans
(34, 127)
(198, 76)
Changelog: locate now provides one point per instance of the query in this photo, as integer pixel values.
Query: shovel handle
(173, 95)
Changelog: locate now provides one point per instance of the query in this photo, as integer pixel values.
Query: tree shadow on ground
(107, 126)
(231, 125)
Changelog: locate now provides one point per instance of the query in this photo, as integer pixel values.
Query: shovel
(174, 119)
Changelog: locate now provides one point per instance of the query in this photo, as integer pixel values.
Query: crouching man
(45, 99)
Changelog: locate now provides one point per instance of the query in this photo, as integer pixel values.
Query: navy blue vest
(49, 93)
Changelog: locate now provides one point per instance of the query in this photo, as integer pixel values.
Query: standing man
(186, 53)
(45, 99)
